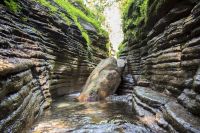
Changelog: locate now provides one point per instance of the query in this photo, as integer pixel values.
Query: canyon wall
(44, 52)
(162, 48)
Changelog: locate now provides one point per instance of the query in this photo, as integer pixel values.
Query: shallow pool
(69, 115)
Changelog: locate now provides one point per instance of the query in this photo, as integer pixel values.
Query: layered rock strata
(41, 57)
(127, 82)
(162, 52)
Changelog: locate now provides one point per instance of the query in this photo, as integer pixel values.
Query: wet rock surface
(111, 116)
(102, 82)
(163, 113)
(181, 119)
(151, 97)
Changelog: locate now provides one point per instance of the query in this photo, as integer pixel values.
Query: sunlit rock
(103, 81)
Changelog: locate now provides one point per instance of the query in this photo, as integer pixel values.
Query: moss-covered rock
(74, 10)
(13, 5)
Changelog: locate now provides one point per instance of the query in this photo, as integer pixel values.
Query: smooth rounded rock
(102, 82)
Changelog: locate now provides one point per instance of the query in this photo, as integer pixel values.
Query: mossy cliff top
(139, 16)
(70, 11)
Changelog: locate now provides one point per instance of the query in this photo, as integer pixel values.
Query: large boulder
(102, 82)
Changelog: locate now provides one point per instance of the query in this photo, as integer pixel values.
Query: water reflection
(68, 115)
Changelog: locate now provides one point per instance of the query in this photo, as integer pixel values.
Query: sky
(114, 24)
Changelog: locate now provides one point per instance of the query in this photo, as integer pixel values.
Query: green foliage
(125, 6)
(120, 49)
(65, 18)
(76, 14)
(97, 7)
(48, 4)
(25, 19)
(135, 15)
(13, 5)
(140, 10)
(87, 38)
(54, 9)
(108, 47)
(144, 10)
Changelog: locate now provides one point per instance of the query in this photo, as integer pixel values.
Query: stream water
(68, 115)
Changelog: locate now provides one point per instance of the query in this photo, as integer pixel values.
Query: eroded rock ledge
(162, 52)
(41, 57)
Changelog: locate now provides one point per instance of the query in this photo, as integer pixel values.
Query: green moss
(48, 4)
(96, 9)
(139, 11)
(109, 49)
(65, 18)
(87, 38)
(25, 19)
(75, 14)
(135, 16)
(144, 9)
(54, 9)
(125, 6)
(13, 5)
(120, 49)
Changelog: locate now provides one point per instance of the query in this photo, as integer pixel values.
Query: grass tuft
(13, 5)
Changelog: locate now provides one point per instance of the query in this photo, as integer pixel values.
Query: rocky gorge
(162, 50)
(49, 48)
(42, 57)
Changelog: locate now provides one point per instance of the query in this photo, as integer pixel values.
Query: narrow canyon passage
(100, 66)
(111, 115)
(89, 112)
